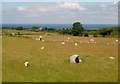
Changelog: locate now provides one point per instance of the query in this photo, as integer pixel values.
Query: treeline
(103, 32)
(76, 30)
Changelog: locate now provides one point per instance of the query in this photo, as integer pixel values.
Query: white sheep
(91, 40)
(116, 40)
(68, 38)
(111, 57)
(40, 38)
(26, 63)
(76, 44)
(42, 48)
(37, 38)
(80, 60)
(63, 43)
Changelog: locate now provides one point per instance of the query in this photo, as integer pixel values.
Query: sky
(59, 12)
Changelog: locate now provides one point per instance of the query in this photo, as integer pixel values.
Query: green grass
(26, 32)
(0, 59)
(52, 63)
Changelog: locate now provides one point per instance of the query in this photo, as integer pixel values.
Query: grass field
(0, 60)
(0, 57)
(52, 63)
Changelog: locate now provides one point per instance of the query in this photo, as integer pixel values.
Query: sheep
(37, 38)
(63, 43)
(76, 44)
(111, 57)
(26, 63)
(68, 38)
(116, 40)
(40, 38)
(91, 40)
(42, 48)
(80, 60)
(12, 34)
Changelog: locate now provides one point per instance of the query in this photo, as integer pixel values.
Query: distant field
(52, 63)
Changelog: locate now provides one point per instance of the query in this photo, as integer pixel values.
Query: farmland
(52, 63)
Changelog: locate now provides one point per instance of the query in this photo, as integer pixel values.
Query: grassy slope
(0, 56)
(0, 59)
(51, 64)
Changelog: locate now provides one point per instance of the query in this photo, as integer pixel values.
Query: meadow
(51, 64)
(0, 57)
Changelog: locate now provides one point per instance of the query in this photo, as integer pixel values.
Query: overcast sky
(59, 12)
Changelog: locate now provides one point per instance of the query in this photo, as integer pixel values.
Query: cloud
(35, 9)
(70, 5)
(64, 12)
(22, 8)
(58, 8)
(116, 2)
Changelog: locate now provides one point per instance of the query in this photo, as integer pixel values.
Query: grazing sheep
(42, 48)
(80, 60)
(63, 43)
(12, 34)
(76, 44)
(116, 40)
(26, 63)
(68, 38)
(37, 38)
(40, 38)
(111, 57)
(91, 40)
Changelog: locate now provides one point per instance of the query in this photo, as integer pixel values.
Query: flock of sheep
(76, 43)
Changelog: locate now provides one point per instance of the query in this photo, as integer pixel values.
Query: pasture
(0, 57)
(51, 64)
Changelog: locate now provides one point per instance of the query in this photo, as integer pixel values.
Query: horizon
(53, 23)
(60, 26)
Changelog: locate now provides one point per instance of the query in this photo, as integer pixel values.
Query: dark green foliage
(85, 33)
(112, 31)
(35, 28)
(65, 31)
(77, 28)
(51, 30)
(19, 28)
(103, 32)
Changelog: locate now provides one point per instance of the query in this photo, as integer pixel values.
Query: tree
(103, 32)
(35, 28)
(77, 29)
(19, 28)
